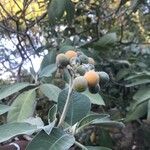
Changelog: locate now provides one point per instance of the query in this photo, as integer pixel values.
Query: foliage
(114, 33)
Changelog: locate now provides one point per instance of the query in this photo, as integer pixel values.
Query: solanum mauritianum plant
(71, 111)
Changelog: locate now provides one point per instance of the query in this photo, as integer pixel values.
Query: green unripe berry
(84, 59)
(104, 77)
(61, 60)
(81, 70)
(80, 84)
(94, 89)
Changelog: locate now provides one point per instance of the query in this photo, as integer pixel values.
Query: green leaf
(78, 108)
(4, 109)
(95, 98)
(57, 140)
(65, 48)
(122, 73)
(138, 82)
(107, 39)
(11, 89)
(142, 94)
(11, 130)
(139, 75)
(138, 112)
(148, 113)
(48, 59)
(89, 119)
(97, 148)
(56, 10)
(23, 106)
(51, 91)
(108, 123)
(48, 70)
(70, 10)
(52, 113)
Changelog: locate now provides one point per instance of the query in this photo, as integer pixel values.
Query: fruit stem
(63, 116)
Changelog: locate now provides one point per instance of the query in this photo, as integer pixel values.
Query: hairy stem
(80, 145)
(63, 116)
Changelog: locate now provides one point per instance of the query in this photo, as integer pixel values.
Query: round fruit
(83, 58)
(103, 76)
(80, 84)
(91, 61)
(94, 89)
(70, 54)
(92, 78)
(62, 60)
(81, 70)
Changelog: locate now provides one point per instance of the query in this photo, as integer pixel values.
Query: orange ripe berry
(70, 54)
(92, 78)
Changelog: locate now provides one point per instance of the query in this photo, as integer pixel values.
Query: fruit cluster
(84, 70)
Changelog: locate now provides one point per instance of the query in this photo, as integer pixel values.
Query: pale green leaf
(51, 91)
(94, 98)
(78, 108)
(11, 130)
(48, 70)
(23, 106)
(11, 89)
(57, 140)
(4, 109)
(48, 59)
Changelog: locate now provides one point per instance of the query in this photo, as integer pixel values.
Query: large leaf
(70, 10)
(138, 82)
(57, 140)
(4, 109)
(23, 106)
(10, 130)
(48, 59)
(142, 94)
(51, 91)
(48, 70)
(97, 148)
(107, 39)
(101, 120)
(95, 98)
(11, 89)
(78, 108)
(138, 112)
(89, 119)
(56, 10)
